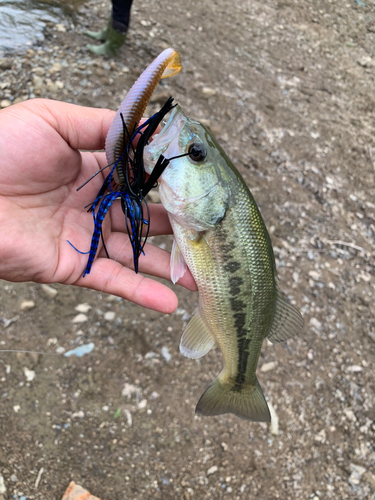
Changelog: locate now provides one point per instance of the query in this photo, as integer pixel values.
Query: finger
(111, 277)
(79, 126)
(155, 261)
(159, 221)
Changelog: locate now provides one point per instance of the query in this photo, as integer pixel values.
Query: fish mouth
(170, 128)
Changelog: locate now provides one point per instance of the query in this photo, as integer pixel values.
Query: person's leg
(121, 15)
(114, 34)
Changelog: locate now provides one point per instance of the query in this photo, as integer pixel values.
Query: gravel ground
(288, 88)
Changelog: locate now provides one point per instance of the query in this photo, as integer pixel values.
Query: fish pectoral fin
(287, 322)
(196, 340)
(246, 402)
(178, 264)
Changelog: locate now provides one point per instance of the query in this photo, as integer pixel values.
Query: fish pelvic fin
(287, 322)
(196, 340)
(246, 402)
(177, 262)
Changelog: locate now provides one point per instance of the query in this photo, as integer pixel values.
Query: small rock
(109, 315)
(268, 366)
(60, 350)
(314, 275)
(154, 395)
(212, 470)
(357, 472)
(208, 92)
(355, 368)
(81, 350)
(29, 374)
(38, 82)
(142, 404)
(365, 62)
(38, 71)
(27, 304)
(83, 308)
(225, 446)
(56, 68)
(315, 323)
(80, 318)
(6, 64)
(5, 103)
(14, 478)
(78, 414)
(49, 291)
(165, 353)
(2, 485)
(60, 27)
(274, 425)
(16, 408)
(129, 389)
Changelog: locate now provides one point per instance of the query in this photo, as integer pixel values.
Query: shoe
(100, 35)
(113, 42)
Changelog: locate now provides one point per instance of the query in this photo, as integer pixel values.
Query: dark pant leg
(121, 14)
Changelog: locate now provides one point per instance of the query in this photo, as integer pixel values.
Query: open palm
(40, 169)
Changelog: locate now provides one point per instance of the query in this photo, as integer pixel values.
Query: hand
(40, 169)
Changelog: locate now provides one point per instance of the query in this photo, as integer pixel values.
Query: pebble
(27, 304)
(49, 291)
(78, 414)
(60, 27)
(29, 374)
(165, 353)
(355, 368)
(208, 92)
(81, 350)
(109, 315)
(16, 408)
(357, 472)
(212, 470)
(83, 308)
(142, 404)
(60, 350)
(80, 318)
(129, 389)
(315, 323)
(13, 478)
(2, 485)
(268, 366)
(6, 64)
(274, 425)
(5, 103)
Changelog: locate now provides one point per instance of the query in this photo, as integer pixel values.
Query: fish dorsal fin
(287, 322)
(178, 264)
(196, 340)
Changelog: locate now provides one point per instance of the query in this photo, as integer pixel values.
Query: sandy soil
(288, 88)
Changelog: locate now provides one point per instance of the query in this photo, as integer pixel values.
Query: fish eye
(197, 152)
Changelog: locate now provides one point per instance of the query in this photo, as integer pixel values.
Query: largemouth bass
(220, 235)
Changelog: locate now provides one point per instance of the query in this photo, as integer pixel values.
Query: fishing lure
(127, 179)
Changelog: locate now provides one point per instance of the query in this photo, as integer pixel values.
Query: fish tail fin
(246, 402)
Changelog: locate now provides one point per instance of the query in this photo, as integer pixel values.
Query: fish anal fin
(247, 402)
(178, 264)
(287, 322)
(196, 340)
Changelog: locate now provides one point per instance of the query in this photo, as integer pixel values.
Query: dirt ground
(288, 88)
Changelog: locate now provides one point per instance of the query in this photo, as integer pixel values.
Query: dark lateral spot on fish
(237, 305)
(234, 284)
(239, 323)
(232, 266)
(226, 249)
